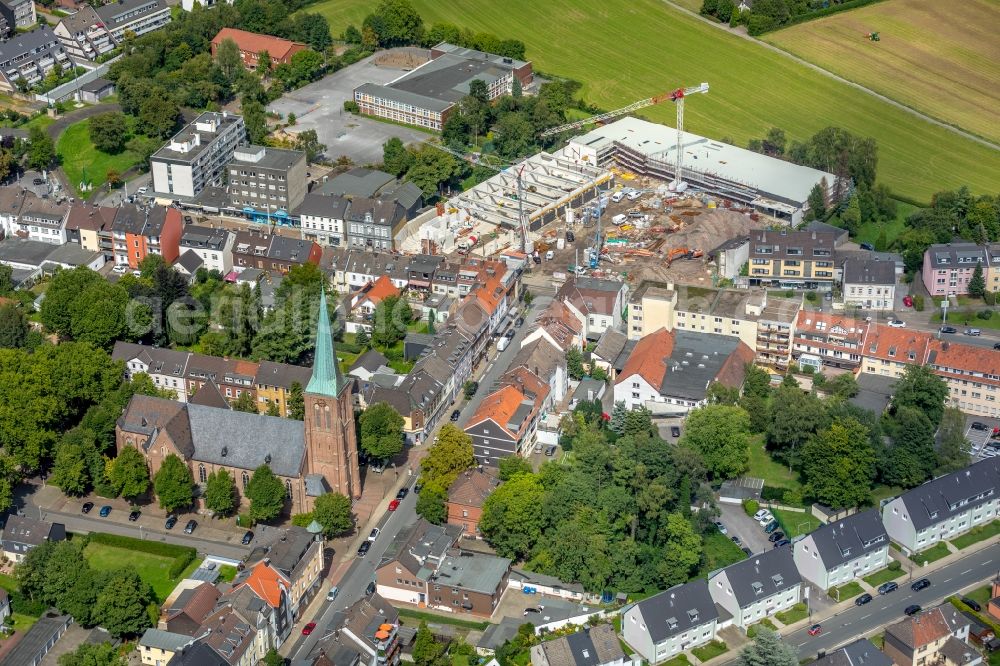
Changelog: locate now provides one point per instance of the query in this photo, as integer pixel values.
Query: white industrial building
(771, 186)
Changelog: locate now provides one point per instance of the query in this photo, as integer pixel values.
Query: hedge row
(149, 547)
(826, 11)
(181, 563)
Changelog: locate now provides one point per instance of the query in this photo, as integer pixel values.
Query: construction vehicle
(682, 253)
(873, 36)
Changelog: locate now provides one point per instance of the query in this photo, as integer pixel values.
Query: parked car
(550, 450)
(761, 513)
(979, 425)
(974, 332)
(570, 237)
(403, 492)
(37, 181)
(332, 594)
(190, 527)
(393, 505)
(782, 543)
(247, 538)
(455, 416)
(816, 630)
(370, 590)
(746, 551)
(134, 516)
(87, 506)
(735, 539)
(675, 431)
(867, 246)
(766, 519)
(120, 269)
(722, 528)
(171, 521)
(886, 588)
(948, 329)
(308, 629)
(374, 534)
(912, 609)
(863, 599)
(921, 584)
(896, 323)
(771, 526)
(105, 511)
(972, 603)
(908, 301)
(996, 345)
(776, 536)
(363, 548)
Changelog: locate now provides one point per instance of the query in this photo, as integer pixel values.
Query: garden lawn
(442, 619)
(883, 576)
(977, 534)
(969, 317)
(762, 466)
(871, 231)
(765, 623)
(78, 154)
(752, 87)
(719, 552)
(151, 568)
(847, 591)
(794, 523)
(932, 554)
(941, 59)
(980, 594)
(679, 660)
(8, 583)
(710, 650)
(797, 612)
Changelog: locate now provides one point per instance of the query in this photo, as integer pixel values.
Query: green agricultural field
(624, 51)
(78, 153)
(941, 59)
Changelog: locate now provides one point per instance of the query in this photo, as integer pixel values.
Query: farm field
(752, 89)
(941, 59)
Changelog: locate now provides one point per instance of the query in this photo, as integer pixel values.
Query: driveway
(746, 528)
(320, 106)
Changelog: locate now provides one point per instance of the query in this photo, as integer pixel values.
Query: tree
(93, 654)
(817, 201)
(795, 416)
(296, 402)
(63, 569)
(41, 149)
(113, 178)
(129, 474)
(514, 135)
(108, 132)
(220, 492)
(952, 446)
(173, 484)
(244, 403)
(426, 650)
(99, 314)
(69, 471)
(767, 649)
(618, 414)
(158, 116)
(469, 389)
(431, 168)
(395, 158)
(381, 431)
(450, 455)
(361, 338)
(13, 326)
(266, 493)
(682, 553)
(574, 363)
(333, 512)
(838, 464)
(121, 607)
(395, 23)
(308, 142)
(911, 458)
(511, 466)
(921, 389)
(272, 658)
(264, 63)
(851, 217)
(720, 394)
(431, 504)
(229, 61)
(774, 142)
(273, 409)
(6, 279)
(721, 434)
(843, 386)
(977, 283)
(511, 520)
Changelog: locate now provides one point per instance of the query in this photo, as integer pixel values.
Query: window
(246, 480)
(202, 475)
(288, 488)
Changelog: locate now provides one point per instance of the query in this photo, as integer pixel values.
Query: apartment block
(84, 34)
(16, 15)
(27, 58)
(267, 179)
(196, 157)
(792, 259)
(845, 549)
(666, 624)
(757, 587)
(135, 17)
(214, 247)
(869, 284)
(139, 232)
(948, 268)
(252, 44)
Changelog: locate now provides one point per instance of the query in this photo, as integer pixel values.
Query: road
(353, 583)
(859, 621)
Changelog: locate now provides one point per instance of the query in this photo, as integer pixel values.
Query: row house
(213, 247)
(357, 223)
(27, 58)
(757, 587)
(506, 421)
(166, 367)
(841, 551)
(84, 34)
(139, 232)
(945, 507)
(936, 636)
(126, 18)
(542, 359)
(322, 218)
(833, 340)
(92, 228)
(948, 268)
(271, 252)
(869, 284)
(861, 651)
(664, 625)
(466, 496)
(793, 259)
(559, 327)
(23, 214)
(593, 646)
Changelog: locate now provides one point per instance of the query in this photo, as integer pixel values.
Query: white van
(618, 196)
(550, 255)
(502, 343)
(633, 195)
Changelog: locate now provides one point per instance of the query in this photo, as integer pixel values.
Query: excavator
(682, 253)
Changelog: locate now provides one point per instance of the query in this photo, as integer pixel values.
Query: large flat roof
(768, 174)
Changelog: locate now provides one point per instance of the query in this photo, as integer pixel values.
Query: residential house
(591, 646)
(368, 364)
(409, 561)
(869, 284)
(27, 58)
(84, 35)
(233, 637)
(214, 247)
(861, 652)
(731, 257)
(670, 372)
(199, 653)
(757, 587)
(267, 179)
(42, 219)
(945, 507)
(166, 367)
(157, 647)
(366, 634)
(544, 360)
(840, 551)
(271, 588)
(468, 583)
(930, 638)
(506, 420)
(297, 556)
(948, 268)
(372, 224)
(271, 252)
(256, 611)
(196, 157)
(609, 348)
(993, 606)
(16, 15)
(273, 384)
(133, 17)
(30, 259)
(971, 372)
(185, 609)
(671, 622)
(829, 339)
(792, 259)
(140, 232)
(889, 351)
(38, 640)
(598, 304)
(559, 326)
(992, 273)
(21, 534)
(322, 218)
(364, 301)
(466, 497)
(252, 44)
(91, 227)
(4, 607)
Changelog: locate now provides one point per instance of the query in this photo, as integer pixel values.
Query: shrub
(25, 606)
(811, 296)
(773, 494)
(895, 565)
(351, 106)
(918, 302)
(793, 497)
(990, 297)
(181, 563)
(985, 315)
(751, 506)
(789, 294)
(149, 547)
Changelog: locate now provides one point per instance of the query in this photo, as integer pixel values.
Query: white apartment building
(869, 284)
(322, 218)
(213, 246)
(196, 157)
(839, 552)
(757, 587)
(662, 626)
(136, 17)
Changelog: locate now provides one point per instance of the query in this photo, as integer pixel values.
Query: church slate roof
(248, 440)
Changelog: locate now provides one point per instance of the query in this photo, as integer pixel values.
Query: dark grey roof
(810, 244)
(498, 634)
(316, 485)
(28, 531)
(72, 254)
(849, 538)
(265, 157)
(771, 572)
(861, 652)
(190, 262)
(323, 205)
(947, 495)
(678, 609)
(696, 360)
(371, 361)
(98, 84)
(358, 182)
(27, 42)
(204, 237)
(24, 251)
(869, 271)
(406, 193)
(247, 438)
(955, 255)
(874, 392)
(198, 654)
(36, 642)
(610, 345)
(164, 640)
(476, 572)
(123, 12)
(590, 646)
(839, 232)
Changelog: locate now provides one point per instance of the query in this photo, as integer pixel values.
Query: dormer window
(671, 623)
(757, 587)
(777, 580)
(693, 615)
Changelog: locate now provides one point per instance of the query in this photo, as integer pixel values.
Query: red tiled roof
(253, 42)
(381, 289)
(473, 487)
(734, 370)
(266, 582)
(648, 358)
(921, 630)
(896, 344)
(953, 356)
(498, 406)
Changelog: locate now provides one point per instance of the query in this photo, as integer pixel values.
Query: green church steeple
(326, 378)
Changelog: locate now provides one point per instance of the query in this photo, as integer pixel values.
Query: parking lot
(979, 431)
(320, 106)
(743, 526)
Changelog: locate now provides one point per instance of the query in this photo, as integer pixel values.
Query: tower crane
(499, 167)
(677, 96)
